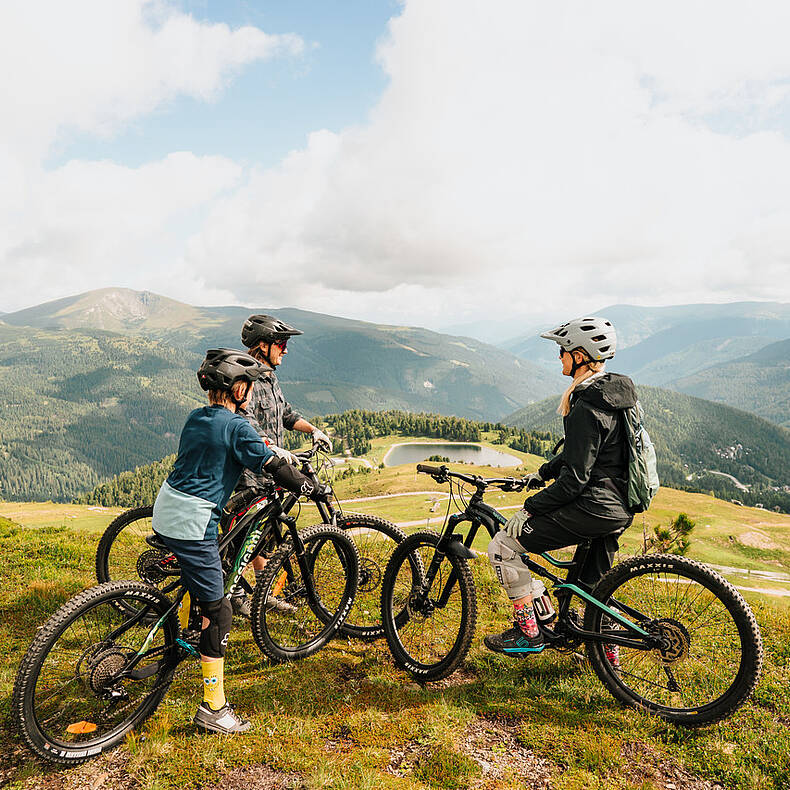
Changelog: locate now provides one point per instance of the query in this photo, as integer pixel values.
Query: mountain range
(94, 384)
(101, 382)
(736, 353)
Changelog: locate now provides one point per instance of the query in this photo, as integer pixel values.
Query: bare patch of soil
(107, 772)
(260, 777)
(757, 540)
(492, 744)
(642, 762)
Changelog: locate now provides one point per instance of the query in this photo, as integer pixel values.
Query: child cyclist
(216, 444)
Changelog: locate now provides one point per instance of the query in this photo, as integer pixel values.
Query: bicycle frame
(261, 517)
(480, 514)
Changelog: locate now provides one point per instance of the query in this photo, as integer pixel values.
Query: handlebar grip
(429, 470)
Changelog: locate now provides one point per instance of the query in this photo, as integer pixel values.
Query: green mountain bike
(689, 648)
(102, 663)
(124, 551)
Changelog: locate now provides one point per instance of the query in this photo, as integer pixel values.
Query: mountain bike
(689, 648)
(102, 663)
(124, 553)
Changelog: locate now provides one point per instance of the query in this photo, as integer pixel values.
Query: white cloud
(531, 154)
(526, 158)
(93, 66)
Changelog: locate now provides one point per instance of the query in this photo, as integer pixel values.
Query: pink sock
(525, 617)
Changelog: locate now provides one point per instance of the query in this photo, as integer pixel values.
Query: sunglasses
(281, 344)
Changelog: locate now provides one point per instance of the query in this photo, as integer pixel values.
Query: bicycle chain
(164, 684)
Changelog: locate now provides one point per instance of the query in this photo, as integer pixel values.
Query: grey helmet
(222, 367)
(595, 335)
(266, 329)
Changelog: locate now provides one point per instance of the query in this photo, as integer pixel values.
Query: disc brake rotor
(149, 568)
(677, 641)
(369, 575)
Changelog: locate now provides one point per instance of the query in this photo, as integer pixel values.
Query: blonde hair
(592, 368)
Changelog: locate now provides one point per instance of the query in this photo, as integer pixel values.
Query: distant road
(738, 483)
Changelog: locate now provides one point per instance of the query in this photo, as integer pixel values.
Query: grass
(347, 718)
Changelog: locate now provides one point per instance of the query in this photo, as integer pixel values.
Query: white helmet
(595, 335)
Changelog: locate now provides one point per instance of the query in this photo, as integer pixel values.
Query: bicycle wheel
(428, 640)
(712, 654)
(67, 701)
(123, 553)
(295, 612)
(375, 540)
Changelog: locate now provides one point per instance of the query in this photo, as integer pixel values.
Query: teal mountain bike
(689, 648)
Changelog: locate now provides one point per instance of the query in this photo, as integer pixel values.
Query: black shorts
(569, 526)
(201, 567)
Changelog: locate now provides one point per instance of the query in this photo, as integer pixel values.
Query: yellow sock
(183, 612)
(213, 682)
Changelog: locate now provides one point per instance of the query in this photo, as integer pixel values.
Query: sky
(425, 162)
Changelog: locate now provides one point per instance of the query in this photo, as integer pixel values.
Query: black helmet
(266, 329)
(224, 366)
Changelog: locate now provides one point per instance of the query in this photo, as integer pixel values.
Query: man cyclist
(267, 338)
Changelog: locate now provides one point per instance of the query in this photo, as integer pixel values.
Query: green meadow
(346, 718)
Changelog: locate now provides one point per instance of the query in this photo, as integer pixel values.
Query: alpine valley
(99, 383)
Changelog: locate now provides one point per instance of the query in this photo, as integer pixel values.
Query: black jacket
(591, 470)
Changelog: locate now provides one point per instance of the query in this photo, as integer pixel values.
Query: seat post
(579, 559)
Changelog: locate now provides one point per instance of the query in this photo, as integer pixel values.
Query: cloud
(526, 158)
(528, 154)
(92, 66)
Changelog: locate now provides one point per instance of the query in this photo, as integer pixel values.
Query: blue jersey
(215, 446)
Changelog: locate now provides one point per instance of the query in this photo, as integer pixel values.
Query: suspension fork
(303, 559)
(439, 554)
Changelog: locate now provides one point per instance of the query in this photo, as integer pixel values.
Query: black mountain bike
(124, 551)
(690, 650)
(102, 663)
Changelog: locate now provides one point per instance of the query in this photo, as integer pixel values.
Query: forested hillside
(759, 383)
(77, 407)
(693, 438)
(351, 430)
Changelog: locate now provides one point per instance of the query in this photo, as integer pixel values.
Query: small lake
(415, 452)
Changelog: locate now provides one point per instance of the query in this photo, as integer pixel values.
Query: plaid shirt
(269, 413)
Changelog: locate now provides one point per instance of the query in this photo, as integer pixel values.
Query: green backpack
(642, 471)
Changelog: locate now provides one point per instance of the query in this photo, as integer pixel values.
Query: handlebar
(431, 470)
(442, 474)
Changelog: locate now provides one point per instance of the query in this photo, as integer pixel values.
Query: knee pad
(214, 638)
(513, 575)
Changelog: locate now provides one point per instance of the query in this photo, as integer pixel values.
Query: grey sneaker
(224, 720)
(274, 604)
(241, 605)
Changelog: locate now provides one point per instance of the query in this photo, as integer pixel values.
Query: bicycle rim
(432, 639)
(289, 622)
(123, 553)
(67, 700)
(712, 650)
(375, 539)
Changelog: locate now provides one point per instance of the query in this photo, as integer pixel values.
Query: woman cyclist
(587, 500)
